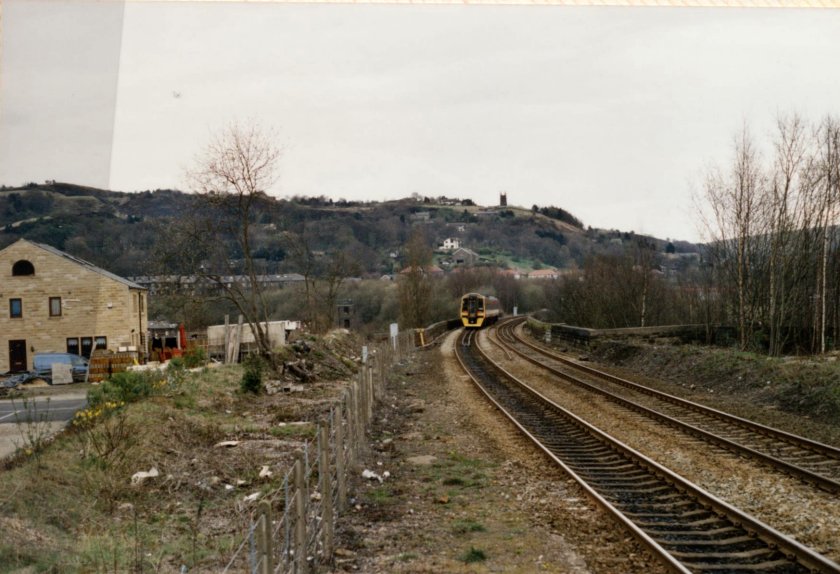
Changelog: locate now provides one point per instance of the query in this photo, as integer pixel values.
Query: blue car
(43, 362)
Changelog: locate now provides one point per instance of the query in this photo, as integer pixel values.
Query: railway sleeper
(749, 556)
(662, 488)
(594, 467)
(767, 567)
(699, 538)
(629, 483)
(608, 476)
(659, 507)
(709, 533)
(628, 498)
(633, 513)
(677, 521)
(693, 542)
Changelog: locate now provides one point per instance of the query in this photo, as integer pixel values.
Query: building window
(87, 346)
(73, 345)
(15, 308)
(55, 306)
(23, 267)
(101, 342)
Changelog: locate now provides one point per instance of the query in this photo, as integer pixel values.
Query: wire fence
(293, 528)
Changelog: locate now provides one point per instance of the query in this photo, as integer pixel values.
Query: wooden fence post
(338, 425)
(265, 541)
(326, 494)
(301, 498)
(351, 426)
(369, 386)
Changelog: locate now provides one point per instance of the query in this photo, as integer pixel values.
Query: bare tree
(414, 285)
(323, 276)
(231, 177)
(785, 213)
(828, 137)
(733, 201)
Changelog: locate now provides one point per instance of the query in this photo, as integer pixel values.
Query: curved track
(690, 529)
(811, 461)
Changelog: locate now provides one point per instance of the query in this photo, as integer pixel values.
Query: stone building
(53, 302)
(464, 256)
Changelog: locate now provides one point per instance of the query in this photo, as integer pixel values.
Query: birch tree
(733, 199)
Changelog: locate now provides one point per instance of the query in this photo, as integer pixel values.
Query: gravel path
(465, 492)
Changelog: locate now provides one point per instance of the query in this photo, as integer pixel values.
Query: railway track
(690, 529)
(808, 460)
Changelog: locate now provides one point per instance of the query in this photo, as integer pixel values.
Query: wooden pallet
(103, 364)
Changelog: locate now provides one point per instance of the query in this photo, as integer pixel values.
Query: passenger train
(478, 310)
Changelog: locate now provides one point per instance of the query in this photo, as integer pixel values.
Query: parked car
(42, 365)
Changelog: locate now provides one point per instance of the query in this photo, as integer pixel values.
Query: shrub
(252, 378)
(474, 555)
(125, 387)
(194, 357)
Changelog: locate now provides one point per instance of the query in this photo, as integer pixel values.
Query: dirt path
(465, 493)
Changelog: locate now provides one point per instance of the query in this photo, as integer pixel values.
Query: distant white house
(450, 244)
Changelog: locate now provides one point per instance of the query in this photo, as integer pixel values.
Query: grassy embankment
(805, 388)
(72, 507)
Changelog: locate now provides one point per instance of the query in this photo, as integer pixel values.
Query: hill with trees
(128, 232)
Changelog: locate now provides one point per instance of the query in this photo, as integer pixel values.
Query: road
(50, 414)
(39, 409)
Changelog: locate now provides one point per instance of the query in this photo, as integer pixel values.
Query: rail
(690, 529)
(808, 460)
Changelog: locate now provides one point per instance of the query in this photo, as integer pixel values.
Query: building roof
(89, 266)
(430, 269)
(544, 273)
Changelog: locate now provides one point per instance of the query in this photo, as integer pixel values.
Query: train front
(472, 310)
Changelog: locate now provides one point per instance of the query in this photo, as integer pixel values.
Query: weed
(126, 387)
(33, 426)
(454, 481)
(474, 555)
(288, 431)
(465, 526)
(104, 433)
(381, 495)
(406, 556)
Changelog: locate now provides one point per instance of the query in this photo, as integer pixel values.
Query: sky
(612, 113)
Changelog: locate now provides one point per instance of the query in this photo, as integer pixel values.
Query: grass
(381, 495)
(467, 526)
(801, 386)
(293, 431)
(75, 510)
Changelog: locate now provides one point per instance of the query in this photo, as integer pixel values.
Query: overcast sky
(611, 113)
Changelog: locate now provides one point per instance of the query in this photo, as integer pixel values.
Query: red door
(17, 356)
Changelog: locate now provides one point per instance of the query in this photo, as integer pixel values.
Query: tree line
(771, 221)
(770, 266)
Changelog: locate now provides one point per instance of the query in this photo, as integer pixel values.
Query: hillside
(124, 231)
